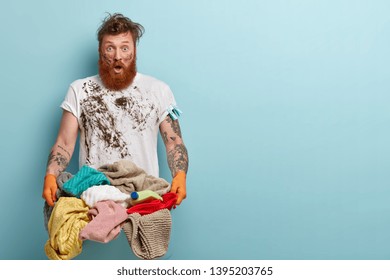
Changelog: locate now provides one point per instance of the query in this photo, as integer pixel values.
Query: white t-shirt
(122, 124)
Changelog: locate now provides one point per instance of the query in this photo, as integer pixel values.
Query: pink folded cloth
(107, 217)
(144, 208)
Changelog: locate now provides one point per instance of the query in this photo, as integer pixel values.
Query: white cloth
(118, 125)
(94, 194)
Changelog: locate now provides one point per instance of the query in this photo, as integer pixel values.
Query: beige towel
(149, 235)
(128, 177)
(69, 216)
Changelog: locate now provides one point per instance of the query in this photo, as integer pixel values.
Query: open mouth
(118, 69)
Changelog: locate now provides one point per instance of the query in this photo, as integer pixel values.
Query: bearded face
(117, 61)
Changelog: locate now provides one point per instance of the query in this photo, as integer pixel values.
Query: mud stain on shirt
(98, 121)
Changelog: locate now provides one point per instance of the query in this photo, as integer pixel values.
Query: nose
(117, 55)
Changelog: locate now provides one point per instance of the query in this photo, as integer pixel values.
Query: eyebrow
(124, 42)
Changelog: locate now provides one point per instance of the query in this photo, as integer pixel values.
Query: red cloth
(144, 208)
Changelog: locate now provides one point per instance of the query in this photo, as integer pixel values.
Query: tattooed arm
(60, 155)
(177, 156)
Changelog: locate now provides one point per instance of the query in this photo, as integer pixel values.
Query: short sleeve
(70, 102)
(167, 101)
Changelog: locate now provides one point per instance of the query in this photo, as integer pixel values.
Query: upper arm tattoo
(175, 126)
(164, 136)
(173, 133)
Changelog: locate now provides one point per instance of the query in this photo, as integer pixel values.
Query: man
(118, 114)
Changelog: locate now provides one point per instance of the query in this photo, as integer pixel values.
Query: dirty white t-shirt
(118, 125)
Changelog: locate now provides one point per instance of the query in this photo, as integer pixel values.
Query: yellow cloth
(68, 218)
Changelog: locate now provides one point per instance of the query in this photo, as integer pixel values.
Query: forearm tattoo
(178, 159)
(64, 150)
(59, 159)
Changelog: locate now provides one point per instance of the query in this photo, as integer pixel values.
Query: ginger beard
(113, 80)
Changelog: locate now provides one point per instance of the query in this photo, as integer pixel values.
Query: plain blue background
(286, 120)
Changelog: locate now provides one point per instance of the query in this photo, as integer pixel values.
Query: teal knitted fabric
(86, 177)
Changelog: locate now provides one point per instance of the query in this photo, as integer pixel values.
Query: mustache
(118, 63)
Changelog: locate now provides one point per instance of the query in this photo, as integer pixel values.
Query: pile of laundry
(96, 204)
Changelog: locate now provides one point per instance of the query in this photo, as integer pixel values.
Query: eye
(109, 49)
(125, 49)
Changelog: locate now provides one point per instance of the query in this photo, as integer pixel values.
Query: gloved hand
(178, 186)
(49, 189)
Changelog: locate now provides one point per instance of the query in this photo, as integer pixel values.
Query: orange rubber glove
(49, 189)
(178, 186)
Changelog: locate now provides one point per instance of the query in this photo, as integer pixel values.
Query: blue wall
(286, 119)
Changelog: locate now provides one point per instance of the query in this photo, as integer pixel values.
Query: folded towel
(95, 194)
(128, 177)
